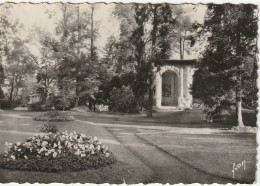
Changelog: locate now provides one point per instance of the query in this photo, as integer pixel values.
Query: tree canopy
(229, 61)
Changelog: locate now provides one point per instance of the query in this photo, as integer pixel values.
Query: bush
(64, 103)
(54, 116)
(46, 128)
(123, 100)
(57, 152)
(6, 104)
(39, 106)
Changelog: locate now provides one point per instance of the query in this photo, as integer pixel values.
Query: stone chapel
(172, 84)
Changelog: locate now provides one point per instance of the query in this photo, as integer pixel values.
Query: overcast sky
(35, 15)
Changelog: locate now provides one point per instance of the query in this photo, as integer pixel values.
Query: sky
(31, 15)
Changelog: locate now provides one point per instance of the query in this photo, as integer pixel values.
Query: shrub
(123, 100)
(56, 152)
(39, 106)
(63, 102)
(46, 128)
(54, 116)
(7, 104)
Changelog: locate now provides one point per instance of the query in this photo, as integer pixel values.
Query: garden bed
(54, 116)
(57, 152)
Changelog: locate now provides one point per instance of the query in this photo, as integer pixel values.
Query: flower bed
(57, 152)
(54, 116)
(49, 127)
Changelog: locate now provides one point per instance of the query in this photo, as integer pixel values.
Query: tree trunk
(239, 90)
(150, 101)
(78, 56)
(181, 49)
(239, 100)
(154, 37)
(239, 114)
(11, 93)
(92, 34)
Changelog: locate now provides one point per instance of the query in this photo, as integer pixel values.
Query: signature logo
(238, 166)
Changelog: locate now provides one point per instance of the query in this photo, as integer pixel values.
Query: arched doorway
(169, 88)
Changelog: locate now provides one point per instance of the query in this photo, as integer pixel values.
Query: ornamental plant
(54, 116)
(49, 127)
(67, 150)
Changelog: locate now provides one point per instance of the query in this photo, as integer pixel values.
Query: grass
(113, 174)
(211, 153)
(19, 125)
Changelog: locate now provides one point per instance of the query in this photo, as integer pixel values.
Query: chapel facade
(172, 84)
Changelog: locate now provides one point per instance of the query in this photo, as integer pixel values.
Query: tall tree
(150, 45)
(183, 32)
(76, 53)
(16, 58)
(222, 75)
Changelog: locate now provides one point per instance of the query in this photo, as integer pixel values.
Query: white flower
(95, 138)
(18, 143)
(83, 135)
(26, 157)
(91, 146)
(92, 152)
(55, 145)
(107, 154)
(82, 155)
(13, 157)
(77, 153)
(59, 151)
(69, 144)
(44, 143)
(54, 154)
(19, 150)
(98, 147)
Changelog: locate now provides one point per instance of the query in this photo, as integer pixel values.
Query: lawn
(18, 126)
(117, 173)
(211, 153)
(186, 118)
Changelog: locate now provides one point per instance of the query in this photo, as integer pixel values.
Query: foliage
(54, 116)
(1, 81)
(183, 32)
(46, 128)
(150, 43)
(16, 58)
(126, 79)
(227, 71)
(39, 106)
(57, 152)
(123, 100)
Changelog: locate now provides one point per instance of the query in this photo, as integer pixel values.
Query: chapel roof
(179, 61)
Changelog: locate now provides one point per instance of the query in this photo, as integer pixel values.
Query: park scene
(128, 93)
